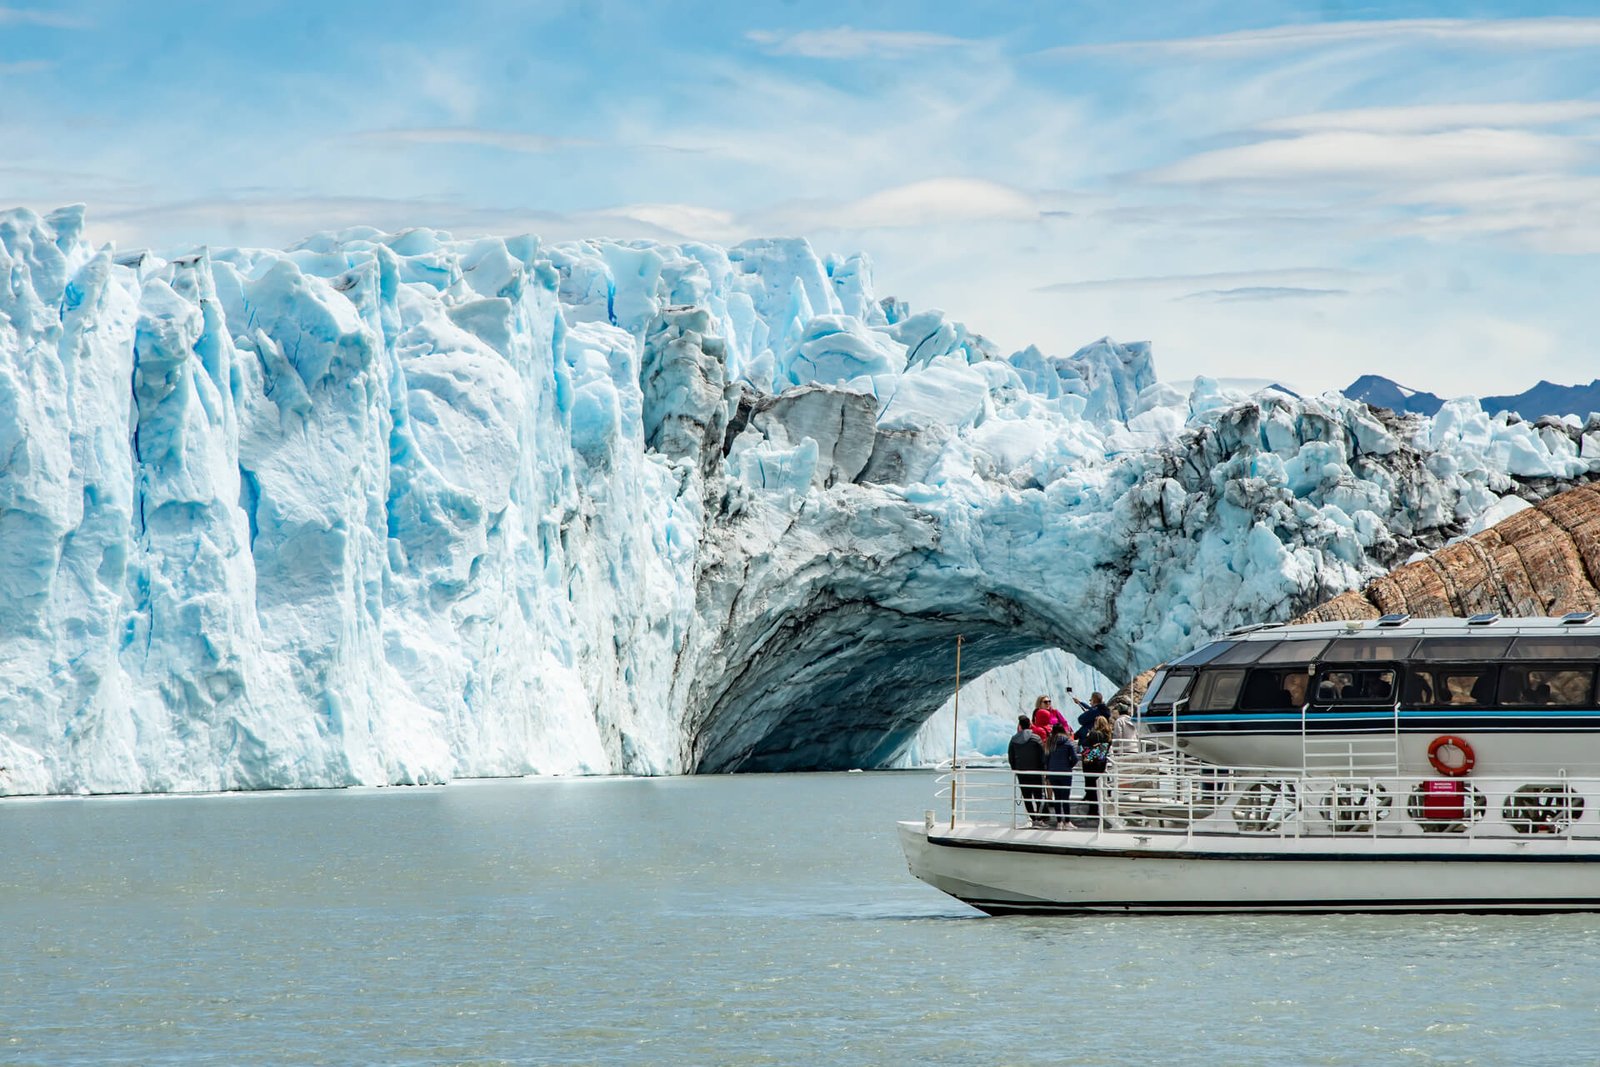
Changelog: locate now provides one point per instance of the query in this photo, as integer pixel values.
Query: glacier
(397, 508)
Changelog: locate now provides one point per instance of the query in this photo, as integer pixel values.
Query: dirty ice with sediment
(388, 508)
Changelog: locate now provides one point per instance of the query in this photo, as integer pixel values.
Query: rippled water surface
(760, 919)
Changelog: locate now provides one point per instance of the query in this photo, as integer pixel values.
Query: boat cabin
(1390, 676)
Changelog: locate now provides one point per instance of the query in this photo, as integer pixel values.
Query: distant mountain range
(1546, 398)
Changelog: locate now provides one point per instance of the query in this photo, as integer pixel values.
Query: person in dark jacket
(1026, 756)
(1059, 762)
(1096, 751)
(1091, 711)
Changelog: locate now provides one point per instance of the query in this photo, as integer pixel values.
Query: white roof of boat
(1398, 626)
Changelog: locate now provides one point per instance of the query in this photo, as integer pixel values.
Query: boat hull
(1019, 871)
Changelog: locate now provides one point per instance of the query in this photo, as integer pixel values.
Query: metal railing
(1150, 788)
(1369, 754)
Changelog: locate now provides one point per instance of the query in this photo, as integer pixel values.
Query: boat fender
(1452, 770)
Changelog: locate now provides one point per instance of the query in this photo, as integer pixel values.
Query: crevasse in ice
(391, 508)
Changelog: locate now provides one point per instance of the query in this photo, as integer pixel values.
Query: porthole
(1543, 808)
(1355, 807)
(1445, 806)
(1265, 806)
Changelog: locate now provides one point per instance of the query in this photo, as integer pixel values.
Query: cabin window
(1462, 649)
(1568, 648)
(1216, 690)
(1299, 652)
(1204, 654)
(1171, 690)
(1545, 687)
(1339, 685)
(1242, 653)
(1370, 650)
(1284, 688)
(1466, 686)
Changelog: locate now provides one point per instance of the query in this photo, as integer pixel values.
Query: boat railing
(1151, 788)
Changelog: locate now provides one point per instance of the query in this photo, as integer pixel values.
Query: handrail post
(1188, 804)
(1397, 722)
(955, 739)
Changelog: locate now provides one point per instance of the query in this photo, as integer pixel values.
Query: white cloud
(934, 202)
(1511, 34)
(1425, 118)
(444, 86)
(509, 140)
(23, 16)
(1311, 277)
(1380, 157)
(1552, 213)
(845, 42)
(1246, 293)
(683, 220)
(26, 66)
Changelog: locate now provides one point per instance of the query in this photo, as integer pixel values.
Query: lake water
(751, 919)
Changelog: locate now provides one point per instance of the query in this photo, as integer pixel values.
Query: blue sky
(1299, 192)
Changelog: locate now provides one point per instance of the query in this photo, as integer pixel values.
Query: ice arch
(991, 702)
(399, 507)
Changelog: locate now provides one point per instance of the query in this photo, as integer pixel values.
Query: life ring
(1451, 741)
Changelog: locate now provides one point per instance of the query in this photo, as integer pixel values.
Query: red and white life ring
(1454, 770)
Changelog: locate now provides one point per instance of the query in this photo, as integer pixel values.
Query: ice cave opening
(863, 687)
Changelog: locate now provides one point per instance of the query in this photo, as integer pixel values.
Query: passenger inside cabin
(1483, 690)
(1275, 689)
(1365, 686)
(1377, 686)
(1459, 687)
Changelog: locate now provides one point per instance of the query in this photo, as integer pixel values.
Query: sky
(1297, 192)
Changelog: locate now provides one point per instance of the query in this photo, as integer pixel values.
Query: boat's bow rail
(1150, 788)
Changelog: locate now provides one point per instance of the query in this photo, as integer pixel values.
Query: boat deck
(1157, 799)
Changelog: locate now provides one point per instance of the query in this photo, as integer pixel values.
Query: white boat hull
(1004, 870)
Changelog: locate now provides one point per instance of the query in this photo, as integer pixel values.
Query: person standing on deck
(1096, 751)
(1026, 756)
(1060, 761)
(1122, 727)
(1091, 711)
(1041, 727)
(1046, 713)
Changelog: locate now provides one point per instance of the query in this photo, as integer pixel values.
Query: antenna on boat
(955, 738)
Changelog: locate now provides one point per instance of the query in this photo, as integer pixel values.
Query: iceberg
(397, 508)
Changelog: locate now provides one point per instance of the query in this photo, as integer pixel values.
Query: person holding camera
(1093, 710)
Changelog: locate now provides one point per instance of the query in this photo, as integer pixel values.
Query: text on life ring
(1454, 770)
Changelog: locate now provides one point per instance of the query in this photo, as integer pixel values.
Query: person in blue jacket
(1059, 763)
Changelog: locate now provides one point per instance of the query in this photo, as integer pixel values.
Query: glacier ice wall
(401, 507)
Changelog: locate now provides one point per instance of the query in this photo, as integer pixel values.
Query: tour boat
(1397, 764)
